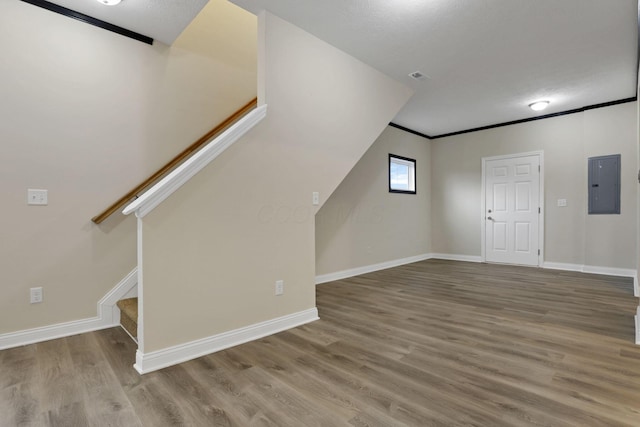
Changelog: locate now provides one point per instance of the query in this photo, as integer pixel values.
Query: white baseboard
(149, 362)
(609, 271)
(637, 319)
(344, 274)
(46, 333)
(106, 318)
(592, 269)
(456, 257)
(107, 308)
(133, 293)
(624, 272)
(562, 266)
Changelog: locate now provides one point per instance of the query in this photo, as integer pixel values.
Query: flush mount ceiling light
(418, 75)
(109, 2)
(539, 105)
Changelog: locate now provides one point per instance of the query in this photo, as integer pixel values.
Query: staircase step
(129, 315)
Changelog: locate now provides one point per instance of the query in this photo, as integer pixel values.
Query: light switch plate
(35, 295)
(562, 203)
(315, 198)
(37, 197)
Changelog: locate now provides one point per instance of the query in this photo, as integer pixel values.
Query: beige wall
(362, 223)
(88, 114)
(246, 220)
(637, 291)
(608, 238)
(571, 236)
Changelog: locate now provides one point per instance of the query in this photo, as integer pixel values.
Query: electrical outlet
(36, 295)
(37, 197)
(279, 287)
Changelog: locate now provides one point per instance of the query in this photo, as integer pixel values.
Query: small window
(402, 175)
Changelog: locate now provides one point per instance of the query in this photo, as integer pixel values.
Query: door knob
(489, 218)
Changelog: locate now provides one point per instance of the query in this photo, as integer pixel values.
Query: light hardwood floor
(435, 343)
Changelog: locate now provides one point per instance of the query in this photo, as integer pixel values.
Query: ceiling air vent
(417, 75)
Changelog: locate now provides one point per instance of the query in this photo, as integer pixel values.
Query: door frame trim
(483, 209)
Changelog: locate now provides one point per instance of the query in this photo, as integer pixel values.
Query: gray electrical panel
(604, 184)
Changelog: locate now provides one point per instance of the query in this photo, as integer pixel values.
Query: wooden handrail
(176, 161)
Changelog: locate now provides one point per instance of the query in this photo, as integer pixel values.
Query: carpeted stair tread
(129, 315)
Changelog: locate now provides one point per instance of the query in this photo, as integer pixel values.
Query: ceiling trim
(90, 20)
(395, 125)
(515, 122)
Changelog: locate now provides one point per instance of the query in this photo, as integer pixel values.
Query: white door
(512, 204)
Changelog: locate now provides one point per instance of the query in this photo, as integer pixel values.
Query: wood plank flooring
(435, 343)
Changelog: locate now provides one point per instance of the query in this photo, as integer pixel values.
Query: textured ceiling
(162, 20)
(486, 60)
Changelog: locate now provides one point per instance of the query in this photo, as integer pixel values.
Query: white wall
(571, 236)
(362, 224)
(88, 114)
(246, 220)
